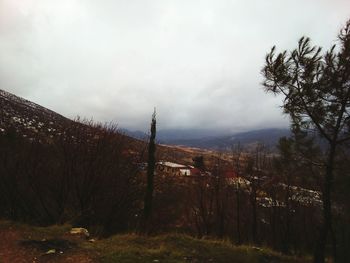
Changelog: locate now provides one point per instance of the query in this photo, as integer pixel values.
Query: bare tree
(238, 167)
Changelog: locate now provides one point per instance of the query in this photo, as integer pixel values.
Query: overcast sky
(197, 62)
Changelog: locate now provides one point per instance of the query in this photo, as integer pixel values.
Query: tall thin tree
(151, 164)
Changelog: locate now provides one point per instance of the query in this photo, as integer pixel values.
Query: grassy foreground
(180, 248)
(134, 248)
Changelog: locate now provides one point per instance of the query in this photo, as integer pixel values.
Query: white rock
(51, 251)
(80, 231)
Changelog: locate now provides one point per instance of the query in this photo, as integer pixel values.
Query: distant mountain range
(215, 140)
(166, 135)
(248, 139)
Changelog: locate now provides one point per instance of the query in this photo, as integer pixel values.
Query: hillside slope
(30, 120)
(27, 118)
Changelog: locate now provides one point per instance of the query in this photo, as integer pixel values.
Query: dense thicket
(86, 176)
(213, 204)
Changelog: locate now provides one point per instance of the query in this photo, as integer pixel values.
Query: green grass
(175, 248)
(36, 232)
(171, 248)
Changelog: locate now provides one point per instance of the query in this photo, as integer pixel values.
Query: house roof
(173, 165)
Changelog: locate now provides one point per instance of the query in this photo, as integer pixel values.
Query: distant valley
(207, 139)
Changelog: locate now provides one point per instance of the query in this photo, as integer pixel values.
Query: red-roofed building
(232, 178)
(196, 172)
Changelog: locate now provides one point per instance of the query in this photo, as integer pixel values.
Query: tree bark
(326, 227)
(150, 176)
(238, 209)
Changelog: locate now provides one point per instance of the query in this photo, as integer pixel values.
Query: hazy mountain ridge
(247, 139)
(140, 135)
(165, 135)
(215, 140)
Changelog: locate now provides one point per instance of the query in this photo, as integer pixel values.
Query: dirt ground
(17, 246)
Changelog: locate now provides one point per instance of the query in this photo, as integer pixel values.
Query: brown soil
(16, 247)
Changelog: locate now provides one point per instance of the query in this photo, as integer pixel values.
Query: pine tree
(316, 91)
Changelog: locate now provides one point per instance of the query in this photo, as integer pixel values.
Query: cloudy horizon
(197, 62)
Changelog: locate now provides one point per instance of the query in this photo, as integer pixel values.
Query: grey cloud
(198, 61)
